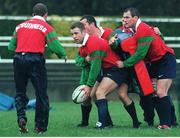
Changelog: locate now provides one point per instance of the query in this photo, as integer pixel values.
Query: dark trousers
(31, 66)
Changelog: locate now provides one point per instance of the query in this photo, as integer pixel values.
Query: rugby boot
(22, 125)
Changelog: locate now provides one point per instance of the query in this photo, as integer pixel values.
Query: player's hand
(120, 64)
(113, 39)
(87, 90)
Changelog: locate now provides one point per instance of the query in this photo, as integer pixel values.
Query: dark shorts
(116, 74)
(165, 68)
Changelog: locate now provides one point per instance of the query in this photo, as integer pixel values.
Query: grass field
(64, 117)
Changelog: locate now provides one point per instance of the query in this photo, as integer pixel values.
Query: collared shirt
(84, 40)
(143, 36)
(101, 30)
(38, 17)
(33, 35)
(87, 36)
(137, 24)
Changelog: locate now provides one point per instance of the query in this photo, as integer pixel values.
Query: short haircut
(40, 9)
(78, 25)
(133, 11)
(90, 19)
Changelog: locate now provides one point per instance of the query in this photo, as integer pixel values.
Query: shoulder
(144, 27)
(108, 29)
(47, 25)
(107, 32)
(21, 25)
(94, 39)
(96, 42)
(144, 30)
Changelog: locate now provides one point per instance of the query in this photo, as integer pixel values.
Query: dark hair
(78, 25)
(90, 19)
(40, 9)
(134, 11)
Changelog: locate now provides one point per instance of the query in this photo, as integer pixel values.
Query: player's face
(128, 20)
(86, 25)
(78, 35)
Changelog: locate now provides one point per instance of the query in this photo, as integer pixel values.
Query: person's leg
(87, 106)
(21, 100)
(102, 113)
(85, 110)
(132, 112)
(163, 104)
(109, 122)
(106, 86)
(147, 104)
(39, 81)
(123, 94)
(128, 104)
(164, 70)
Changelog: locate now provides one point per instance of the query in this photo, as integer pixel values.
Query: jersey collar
(101, 30)
(85, 39)
(137, 24)
(38, 17)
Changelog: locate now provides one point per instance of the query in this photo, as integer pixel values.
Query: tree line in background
(94, 7)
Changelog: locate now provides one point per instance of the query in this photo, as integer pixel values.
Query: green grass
(64, 117)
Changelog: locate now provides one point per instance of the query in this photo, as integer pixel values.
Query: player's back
(31, 35)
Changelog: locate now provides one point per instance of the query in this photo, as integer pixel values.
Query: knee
(100, 95)
(101, 92)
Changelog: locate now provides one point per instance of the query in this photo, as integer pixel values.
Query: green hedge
(63, 29)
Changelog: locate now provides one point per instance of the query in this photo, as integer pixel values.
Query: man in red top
(146, 102)
(104, 33)
(92, 29)
(29, 40)
(100, 56)
(151, 47)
